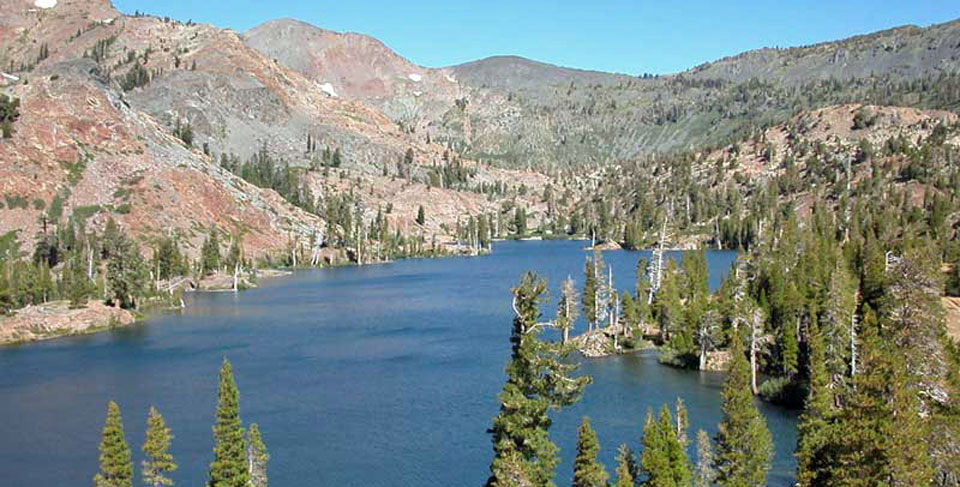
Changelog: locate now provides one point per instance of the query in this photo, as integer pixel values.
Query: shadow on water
(396, 366)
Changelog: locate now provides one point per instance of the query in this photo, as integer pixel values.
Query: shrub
(783, 391)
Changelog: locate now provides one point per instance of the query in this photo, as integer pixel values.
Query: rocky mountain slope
(107, 100)
(82, 149)
(134, 117)
(520, 112)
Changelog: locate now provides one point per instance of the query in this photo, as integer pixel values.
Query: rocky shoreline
(56, 319)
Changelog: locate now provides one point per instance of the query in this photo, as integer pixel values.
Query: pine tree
(257, 457)
(704, 475)
(669, 311)
(815, 428)
(210, 253)
(421, 215)
(627, 468)
(116, 467)
(126, 272)
(538, 379)
(590, 287)
(159, 461)
(587, 471)
(664, 458)
(744, 447)
(229, 467)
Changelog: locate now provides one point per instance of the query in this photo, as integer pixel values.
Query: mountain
(154, 116)
(105, 98)
(517, 73)
(518, 112)
(907, 52)
(81, 148)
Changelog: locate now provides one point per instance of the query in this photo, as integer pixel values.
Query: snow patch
(450, 78)
(45, 3)
(9, 77)
(416, 78)
(328, 89)
(417, 93)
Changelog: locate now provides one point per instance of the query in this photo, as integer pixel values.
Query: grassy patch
(15, 201)
(82, 213)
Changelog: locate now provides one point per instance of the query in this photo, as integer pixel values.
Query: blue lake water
(369, 376)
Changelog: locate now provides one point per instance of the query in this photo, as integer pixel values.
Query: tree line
(239, 456)
(540, 379)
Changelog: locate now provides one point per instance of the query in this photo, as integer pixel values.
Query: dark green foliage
(184, 132)
(538, 379)
(229, 467)
(520, 221)
(9, 113)
(864, 118)
(126, 270)
(210, 252)
(421, 216)
(744, 447)
(168, 261)
(663, 460)
(264, 171)
(587, 471)
(100, 50)
(590, 287)
(136, 77)
(116, 467)
(78, 286)
(159, 462)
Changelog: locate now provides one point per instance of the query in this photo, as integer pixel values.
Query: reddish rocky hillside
(79, 148)
(103, 94)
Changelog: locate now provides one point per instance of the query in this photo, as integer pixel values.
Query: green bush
(783, 391)
(673, 358)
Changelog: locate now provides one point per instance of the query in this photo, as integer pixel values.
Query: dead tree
(707, 335)
(655, 267)
(567, 308)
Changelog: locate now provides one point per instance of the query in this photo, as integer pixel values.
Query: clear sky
(633, 37)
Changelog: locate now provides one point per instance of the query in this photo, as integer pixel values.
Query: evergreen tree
(538, 379)
(669, 311)
(159, 461)
(210, 253)
(664, 458)
(229, 467)
(744, 447)
(704, 475)
(257, 457)
(590, 287)
(116, 468)
(815, 428)
(627, 468)
(587, 471)
(78, 286)
(421, 216)
(126, 272)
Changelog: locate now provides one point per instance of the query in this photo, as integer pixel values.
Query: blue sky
(633, 37)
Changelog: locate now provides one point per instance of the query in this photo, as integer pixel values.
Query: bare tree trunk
(236, 276)
(703, 355)
(753, 355)
(853, 344)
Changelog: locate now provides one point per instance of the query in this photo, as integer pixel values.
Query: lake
(382, 375)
